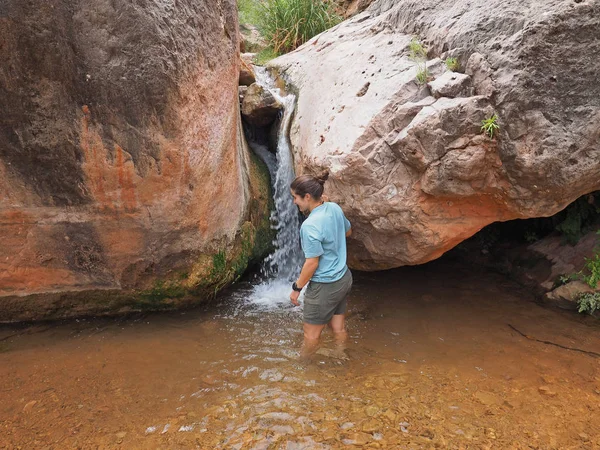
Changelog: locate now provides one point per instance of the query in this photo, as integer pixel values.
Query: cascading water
(283, 265)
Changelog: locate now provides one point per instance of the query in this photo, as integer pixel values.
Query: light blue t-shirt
(323, 234)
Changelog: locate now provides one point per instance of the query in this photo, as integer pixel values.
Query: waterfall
(283, 265)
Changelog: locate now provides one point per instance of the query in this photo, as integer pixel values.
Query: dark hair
(307, 184)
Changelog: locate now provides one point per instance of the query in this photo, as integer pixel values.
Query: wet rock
(428, 433)
(547, 391)
(357, 439)
(29, 406)
(487, 398)
(491, 433)
(371, 426)
(584, 437)
(347, 425)
(390, 415)
(565, 296)
(334, 353)
(404, 426)
(371, 410)
(259, 107)
(329, 434)
(548, 379)
(242, 93)
(247, 75)
(450, 84)
(317, 416)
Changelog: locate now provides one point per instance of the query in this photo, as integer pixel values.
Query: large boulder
(124, 177)
(413, 170)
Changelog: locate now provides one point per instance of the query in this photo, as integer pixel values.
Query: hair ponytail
(307, 184)
(323, 178)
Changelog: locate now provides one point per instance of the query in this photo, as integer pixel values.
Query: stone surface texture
(413, 172)
(259, 107)
(122, 165)
(247, 75)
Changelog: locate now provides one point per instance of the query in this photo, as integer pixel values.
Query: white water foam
(283, 265)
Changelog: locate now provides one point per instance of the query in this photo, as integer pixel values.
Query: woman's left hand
(294, 298)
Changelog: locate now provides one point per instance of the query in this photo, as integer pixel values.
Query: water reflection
(431, 362)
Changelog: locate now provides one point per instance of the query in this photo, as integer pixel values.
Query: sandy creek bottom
(433, 361)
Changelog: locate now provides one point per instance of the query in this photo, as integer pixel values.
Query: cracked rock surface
(408, 162)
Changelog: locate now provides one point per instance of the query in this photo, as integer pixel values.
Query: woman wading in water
(323, 237)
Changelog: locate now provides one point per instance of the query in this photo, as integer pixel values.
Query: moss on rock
(208, 273)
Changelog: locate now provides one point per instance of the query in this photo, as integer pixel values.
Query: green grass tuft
(422, 74)
(417, 51)
(490, 126)
(287, 24)
(452, 64)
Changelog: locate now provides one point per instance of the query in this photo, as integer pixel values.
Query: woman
(323, 237)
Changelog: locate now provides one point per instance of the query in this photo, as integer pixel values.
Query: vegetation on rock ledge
(286, 24)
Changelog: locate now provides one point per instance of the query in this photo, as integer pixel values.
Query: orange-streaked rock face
(120, 153)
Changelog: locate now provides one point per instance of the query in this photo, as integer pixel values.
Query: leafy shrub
(592, 266)
(589, 302)
(490, 126)
(287, 24)
(452, 64)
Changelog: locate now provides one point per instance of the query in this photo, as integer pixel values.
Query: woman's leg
(311, 339)
(338, 326)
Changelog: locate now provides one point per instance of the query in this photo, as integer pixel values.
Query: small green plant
(490, 126)
(287, 24)
(592, 266)
(422, 75)
(563, 279)
(452, 64)
(589, 302)
(417, 51)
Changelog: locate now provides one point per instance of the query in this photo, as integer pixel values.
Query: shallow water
(434, 361)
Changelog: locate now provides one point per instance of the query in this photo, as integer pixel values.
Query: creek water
(435, 359)
(438, 356)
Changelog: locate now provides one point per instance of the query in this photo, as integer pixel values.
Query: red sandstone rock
(121, 155)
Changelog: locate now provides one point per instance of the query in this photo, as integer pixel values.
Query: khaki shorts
(324, 300)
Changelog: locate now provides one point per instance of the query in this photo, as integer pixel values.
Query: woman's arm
(308, 270)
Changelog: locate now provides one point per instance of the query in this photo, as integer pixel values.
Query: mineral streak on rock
(122, 166)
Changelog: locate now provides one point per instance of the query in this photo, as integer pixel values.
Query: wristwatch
(295, 287)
